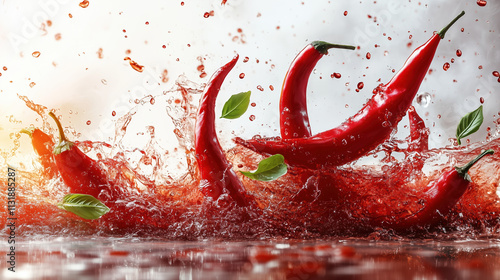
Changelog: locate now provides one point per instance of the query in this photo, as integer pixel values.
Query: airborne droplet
(423, 99)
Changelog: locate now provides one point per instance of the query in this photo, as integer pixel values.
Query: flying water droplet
(424, 99)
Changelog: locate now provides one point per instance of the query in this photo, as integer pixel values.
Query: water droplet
(481, 3)
(84, 4)
(336, 75)
(424, 99)
(104, 82)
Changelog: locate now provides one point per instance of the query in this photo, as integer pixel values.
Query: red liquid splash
(302, 204)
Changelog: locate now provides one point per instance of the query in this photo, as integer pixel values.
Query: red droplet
(253, 104)
(498, 80)
(345, 13)
(246, 59)
(251, 118)
(182, 3)
(242, 75)
(495, 73)
(113, 113)
(36, 54)
(99, 53)
(361, 85)
(147, 22)
(164, 46)
(462, 29)
(336, 75)
(135, 65)
(481, 100)
(164, 76)
(368, 55)
(70, 15)
(409, 44)
(481, 3)
(152, 101)
(452, 60)
(32, 84)
(259, 87)
(57, 36)
(89, 122)
(480, 67)
(5, 69)
(271, 87)
(446, 66)
(84, 4)
(208, 14)
(459, 53)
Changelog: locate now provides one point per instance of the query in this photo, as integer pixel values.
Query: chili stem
(323, 47)
(464, 169)
(443, 31)
(62, 137)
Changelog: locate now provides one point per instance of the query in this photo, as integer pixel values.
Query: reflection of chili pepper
(441, 196)
(363, 132)
(419, 134)
(43, 145)
(217, 175)
(79, 172)
(294, 120)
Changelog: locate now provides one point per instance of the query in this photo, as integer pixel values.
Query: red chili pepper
(294, 120)
(363, 132)
(79, 172)
(217, 175)
(440, 197)
(43, 146)
(419, 134)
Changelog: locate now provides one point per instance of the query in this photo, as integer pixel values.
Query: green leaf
(236, 105)
(269, 169)
(83, 205)
(470, 123)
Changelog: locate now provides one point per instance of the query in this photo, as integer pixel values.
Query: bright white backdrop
(85, 87)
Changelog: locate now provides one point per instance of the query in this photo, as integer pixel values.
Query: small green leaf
(83, 205)
(236, 105)
(470, 123)
(269, 169)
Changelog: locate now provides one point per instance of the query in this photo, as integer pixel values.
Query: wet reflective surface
(134, 258)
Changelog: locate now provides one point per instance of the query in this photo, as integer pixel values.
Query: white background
(70, 77)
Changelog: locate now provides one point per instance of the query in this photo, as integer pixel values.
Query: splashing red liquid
(303, 204)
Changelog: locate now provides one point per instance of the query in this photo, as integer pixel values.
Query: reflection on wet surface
(134, 258)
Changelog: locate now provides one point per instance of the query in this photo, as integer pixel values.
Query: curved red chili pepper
(363, 132)
(217, 175)
(440, 197)
(419, 134)
(43, 146)
(79, 172)
(294, 120)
